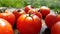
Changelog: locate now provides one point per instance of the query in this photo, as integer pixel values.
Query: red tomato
(58, 17)
(10, 17)
(50, 20)
(5, 27)
(27, 8)
(17, 13)
(56, 28)
(34, 11)
(44, 11)
(29, 24)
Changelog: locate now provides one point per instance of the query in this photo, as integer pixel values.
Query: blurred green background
(53, 4)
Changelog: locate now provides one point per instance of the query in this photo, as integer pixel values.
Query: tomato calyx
(18, 10)
(38, 10)
(32, 7)
(30, 14)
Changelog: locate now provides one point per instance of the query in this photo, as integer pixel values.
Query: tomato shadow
(47, 31)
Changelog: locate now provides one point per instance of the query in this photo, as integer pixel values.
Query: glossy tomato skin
(44, 11)
(27, 8)
(35, 11)
(56, 28)
(19, 12)
(10, 17)
(29, 24)
(50, 20)
(5, 27)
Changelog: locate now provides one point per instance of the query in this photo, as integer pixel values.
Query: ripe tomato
(34, 11)
(58, 17)
(56, 28)
(5, 27)
(27, 8)
(44, 11)
(19, 12)
(29, 24)
(50, 20)
(10, 17)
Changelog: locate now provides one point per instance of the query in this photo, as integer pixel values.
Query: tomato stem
(32, 7)
(29, 14)
(38, 10)
(18, 10)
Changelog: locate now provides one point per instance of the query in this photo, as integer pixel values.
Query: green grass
(53, 4)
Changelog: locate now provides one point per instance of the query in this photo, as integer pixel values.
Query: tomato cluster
(29, 20)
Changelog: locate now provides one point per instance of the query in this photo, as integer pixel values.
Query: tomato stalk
(18, 10)
(38, 10)
(30, 14)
